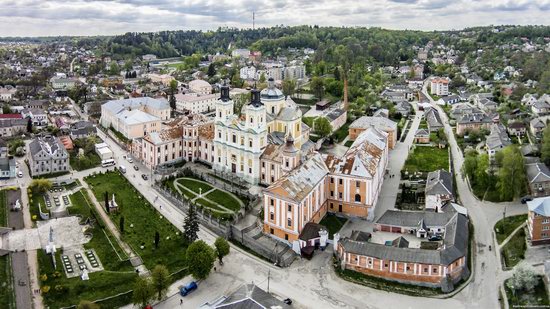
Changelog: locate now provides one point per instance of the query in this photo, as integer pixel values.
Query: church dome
(271, 92)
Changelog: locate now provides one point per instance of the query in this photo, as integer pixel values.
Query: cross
(200, 192)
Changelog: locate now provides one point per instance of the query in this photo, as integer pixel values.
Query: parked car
(130, 160)
(122, 169)
(144, 176)
(20, 174)
(435, 238)
(136, 168)
(288, 301)
(186, 289)
(526, 199)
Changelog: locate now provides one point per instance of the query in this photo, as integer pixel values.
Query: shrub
(45, 289)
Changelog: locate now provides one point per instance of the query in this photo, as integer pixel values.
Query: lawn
(88, 161)
(6, 292)
(506, 226)
(349, 143)
(66, 292)
(3, 209)
(225, 199)
(141, 222)
(514, 251)
(34, 200)
(194, 185)
(333, 224)
(340, 134)
(427, 159)
(537, 298)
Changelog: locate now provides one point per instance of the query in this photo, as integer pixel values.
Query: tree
(222, 248)
(29, 125)
(143, 292)
(322, 127)
(239, 101)
(114, 69)
(157, 239)
(190, 225)
(344, 57)
(545, 147)
(172, 101)
(211, 70)
(85, 304)
(121, 224)
(262, 78)
(107, 202)
(289, 87)
(200, 259)
(524, 278)
(336, 73)
(317, 87)
(173, 86)
(511, 176)
(41, 185)
(160, 279)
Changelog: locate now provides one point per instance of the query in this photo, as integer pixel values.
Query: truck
(122, 169)
(188, 288)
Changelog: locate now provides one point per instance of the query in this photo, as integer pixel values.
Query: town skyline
(99, 17)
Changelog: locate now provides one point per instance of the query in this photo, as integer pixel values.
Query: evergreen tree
(134, 74)
(107, 202)
(29, 125)
(211, 70)
(172, 101)
(157, 239)
(121, 224)
(190, 225)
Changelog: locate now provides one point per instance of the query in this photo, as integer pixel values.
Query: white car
(130, 160)
(20, 174)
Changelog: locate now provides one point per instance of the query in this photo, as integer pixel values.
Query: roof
(10, 116)
(455, 239)
(432, 118)
(311, 231)
(299, 182)
(49, 144)
(400, 242)
(537, 172)
(537, 123)
(380, 123)
(249, 296)
(540, 205)
(135, 116)
(498, 138)
(116, 106)
(422, 132)
(199, 83)
(474, 118)
(439, 182)
(195, 97)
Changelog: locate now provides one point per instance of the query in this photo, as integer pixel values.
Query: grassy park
(333, 224)
(506, 226)
(427, 159)
(141, 222)
(514, 250)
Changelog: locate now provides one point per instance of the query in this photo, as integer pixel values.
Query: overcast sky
(102, 17)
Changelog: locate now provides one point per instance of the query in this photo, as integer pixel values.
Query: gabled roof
(537, 172)
(540, 205)
(439, 182)
(249, 296)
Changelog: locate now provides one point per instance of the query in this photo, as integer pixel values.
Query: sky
(107, 17)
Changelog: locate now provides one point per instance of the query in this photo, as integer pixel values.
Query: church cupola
(255, 98)
(291, 154)
(225, 93)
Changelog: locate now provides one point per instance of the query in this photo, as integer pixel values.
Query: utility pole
(253, 19)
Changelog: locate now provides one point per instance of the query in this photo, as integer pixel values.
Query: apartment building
(439, 86)
(538, 221)
(47, 155)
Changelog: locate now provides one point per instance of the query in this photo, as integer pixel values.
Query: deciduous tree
(322, 127)
(511, 176)
(200, 259)
(524, 278)
(545, 148)
(143, 292)
(222, 248)
(160, 279)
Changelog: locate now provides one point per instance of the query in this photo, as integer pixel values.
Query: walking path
(504, 242)
(203, 196)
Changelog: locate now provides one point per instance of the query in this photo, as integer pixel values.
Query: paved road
(20, 265)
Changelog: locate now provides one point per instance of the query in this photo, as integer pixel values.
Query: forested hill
(386, 46)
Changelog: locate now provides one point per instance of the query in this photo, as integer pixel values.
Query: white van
(122, 169)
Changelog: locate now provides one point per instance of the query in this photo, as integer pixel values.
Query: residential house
(461, 109)
(247, 296)
(337, 118)
(538, 220)
(396, 258)
(537, 126)
(439, 86)
(517, 128)
(12, 124)
(439, 189)
(196, 103)
(473, 122)
(496, 140)
(487, 105)
(529, 99)
(541, 107)
(38, 116)
(384, 124)
(61, 83)
(433, 119)
(449, 100)
(7, 93)
(200, 86)
(163, 79)
(403, 108)
(47, 155)
(422, 136)
(81, 129)
(538, 178)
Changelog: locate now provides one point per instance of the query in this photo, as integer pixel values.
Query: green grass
(119, 135)
(333, 224)
(6, 291)
(514, 251)
(70, 291)
(427, 159)
(340, 134)
(506, 226)
(90, 160)
(145, 219)
(34, 200)
(194, 185)
(225, 199)
(349, 143)
(51, 175)
(536, 298)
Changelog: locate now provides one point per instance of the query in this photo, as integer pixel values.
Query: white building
(200, 86)
(47, 155)
(294, 72)
(135, 117)
(7, 93)
(439, 86)
(196, 103)
(247, 73)
(240, 53)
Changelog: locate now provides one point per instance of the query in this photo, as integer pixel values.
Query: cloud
(105, 17)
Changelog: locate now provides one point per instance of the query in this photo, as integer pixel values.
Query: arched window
(358, 197)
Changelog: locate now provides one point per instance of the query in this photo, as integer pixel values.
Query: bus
(107, 163)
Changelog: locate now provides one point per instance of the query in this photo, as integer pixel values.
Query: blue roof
(540, 205)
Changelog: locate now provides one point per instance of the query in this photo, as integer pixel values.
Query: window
(358, 197)
(250, 143)
(340, 195)
(358, 184)
(234, 138)
(331, 180)
(546, 220)
(286, 236)
(289, 222)
(289, 207)
(385, 264)
(263, 164)
(370, 262)
(271, 216)
(286, 163)
(408, 268)
(545, 228)
(270, 231)
(340, 181)
(331, 193)
(250, 170)
(271, 202)
(425, 269)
